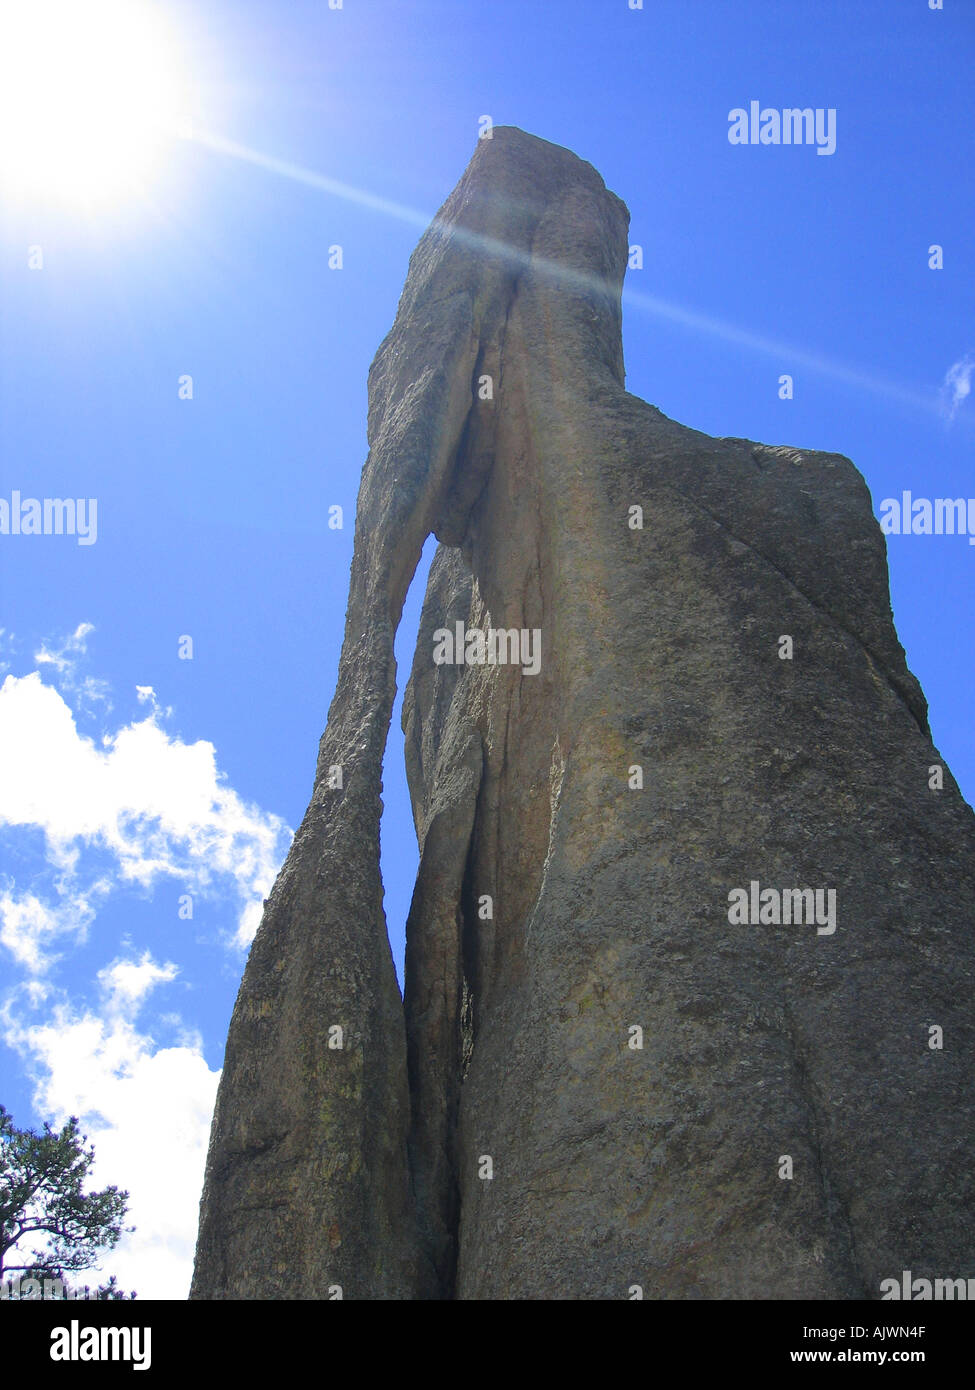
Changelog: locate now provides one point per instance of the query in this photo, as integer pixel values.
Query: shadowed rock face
(559, 906)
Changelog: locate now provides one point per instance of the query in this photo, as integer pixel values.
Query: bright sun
(90, 94)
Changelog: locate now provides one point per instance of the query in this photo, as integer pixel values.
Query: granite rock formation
(502, 1133)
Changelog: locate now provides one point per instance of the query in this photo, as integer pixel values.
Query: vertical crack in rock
(557, 907)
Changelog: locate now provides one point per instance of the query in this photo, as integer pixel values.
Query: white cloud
(28, 925)
(157, 805)
(250, 920)
(130, 807)
(957, 384)
(126, 983)
(146, 1111)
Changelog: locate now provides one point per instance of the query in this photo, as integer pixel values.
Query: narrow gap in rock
(398, 854)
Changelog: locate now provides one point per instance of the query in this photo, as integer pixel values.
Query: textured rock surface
(612, 1165)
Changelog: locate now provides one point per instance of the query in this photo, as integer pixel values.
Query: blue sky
(132, 777)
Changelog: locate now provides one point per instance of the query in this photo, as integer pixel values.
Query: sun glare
(90, 96)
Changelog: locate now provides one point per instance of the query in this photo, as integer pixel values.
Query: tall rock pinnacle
(689, 914)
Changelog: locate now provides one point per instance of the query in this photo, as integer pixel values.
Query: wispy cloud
(957, 385)
(64, 662)
(29, 926)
